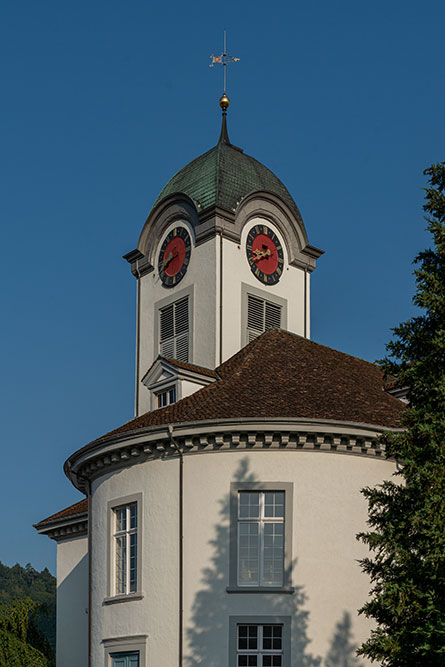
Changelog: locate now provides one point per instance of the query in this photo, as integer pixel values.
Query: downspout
(181, 545)
(90, 542)
(305, 302)
(220, 296)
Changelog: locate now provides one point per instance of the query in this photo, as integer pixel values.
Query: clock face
(174, 256)
(265, 254)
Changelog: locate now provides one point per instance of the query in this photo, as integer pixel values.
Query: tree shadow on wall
(342, 652)
(210, 612)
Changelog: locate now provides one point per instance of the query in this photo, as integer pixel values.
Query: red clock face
(265, 254)
(174, 256)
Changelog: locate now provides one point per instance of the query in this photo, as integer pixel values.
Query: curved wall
(328, 511)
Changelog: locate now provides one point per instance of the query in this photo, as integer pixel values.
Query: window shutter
(174, 330)
(272, 316)
(261, 315)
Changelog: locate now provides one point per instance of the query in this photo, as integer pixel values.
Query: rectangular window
(259, 646)
(261, 316)
(125, 538)
(260, 538)
(125, 659)
(166, 397)
(174, 330)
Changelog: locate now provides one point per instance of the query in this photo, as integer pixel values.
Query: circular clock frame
(174, 256)
(265, 254)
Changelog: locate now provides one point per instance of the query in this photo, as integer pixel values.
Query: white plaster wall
(328, 511)
(202, 274)
(188, 387)
(236, 270)
(157, 613)
(72, 602)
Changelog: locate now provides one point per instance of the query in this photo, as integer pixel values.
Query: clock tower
(222, 257)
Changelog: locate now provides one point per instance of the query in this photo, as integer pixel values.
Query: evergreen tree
(407, 515)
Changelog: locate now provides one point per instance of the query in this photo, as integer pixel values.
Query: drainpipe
(90, 542)
(305, 302)
(181, 544)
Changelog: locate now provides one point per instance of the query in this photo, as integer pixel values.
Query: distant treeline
(19, 582)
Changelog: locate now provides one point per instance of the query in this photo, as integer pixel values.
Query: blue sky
(103, 101)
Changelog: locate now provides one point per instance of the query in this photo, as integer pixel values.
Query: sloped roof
(202, 370)
(70, 512)
(280, 374)
(223, 176)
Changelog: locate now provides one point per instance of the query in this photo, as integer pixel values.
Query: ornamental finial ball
(224, 102)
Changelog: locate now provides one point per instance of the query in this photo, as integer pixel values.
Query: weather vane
(224, 59)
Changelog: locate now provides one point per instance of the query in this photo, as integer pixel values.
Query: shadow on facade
(72, 613)
(210, 612)
(342, 652)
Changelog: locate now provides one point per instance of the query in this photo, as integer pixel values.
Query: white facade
(328, 510)
(216, 281)
(165, 548)
(72, 601)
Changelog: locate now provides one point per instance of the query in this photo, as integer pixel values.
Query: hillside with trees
(18, 583)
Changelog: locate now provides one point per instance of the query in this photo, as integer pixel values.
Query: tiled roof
(69, 512)
(202, 370)
(223, 176)
(284, 375)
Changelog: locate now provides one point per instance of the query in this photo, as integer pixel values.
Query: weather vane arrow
(224, 59)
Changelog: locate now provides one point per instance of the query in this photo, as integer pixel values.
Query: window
(125, 547)
(260, 641)
(259, 646)
(174, 330)
(261, 537)
(261, 315)
(125, 659)
(166, 397)
(260, 310)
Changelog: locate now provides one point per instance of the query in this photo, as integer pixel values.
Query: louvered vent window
(261, 315)
(174, 330)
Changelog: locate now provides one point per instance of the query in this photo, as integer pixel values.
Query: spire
(224, 104)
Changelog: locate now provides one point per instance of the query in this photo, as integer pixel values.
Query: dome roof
(223, 177)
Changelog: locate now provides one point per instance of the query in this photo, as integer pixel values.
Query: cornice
(60, 529)
(240, 434)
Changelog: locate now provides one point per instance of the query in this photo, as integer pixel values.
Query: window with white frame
(174, 330)
(261, 316)
(125, 546)
(259, 645)
(166, 397)
(260, 538)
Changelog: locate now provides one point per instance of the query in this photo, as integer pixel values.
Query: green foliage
(21, 642)
(18, 582)
(407, 515)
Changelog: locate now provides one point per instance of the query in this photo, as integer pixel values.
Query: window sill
(123, 598)
(261, 589)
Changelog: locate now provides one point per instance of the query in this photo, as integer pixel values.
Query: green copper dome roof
(223, 176)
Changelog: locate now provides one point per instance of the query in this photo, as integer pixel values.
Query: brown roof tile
(281, 374)
(73, 510)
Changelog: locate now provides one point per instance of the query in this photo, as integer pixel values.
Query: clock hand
(167, 260)
(260, 254)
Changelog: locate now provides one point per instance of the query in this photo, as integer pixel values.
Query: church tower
(223, 256)
(218, 527)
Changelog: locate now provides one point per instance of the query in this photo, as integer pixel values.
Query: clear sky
(103, 101)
